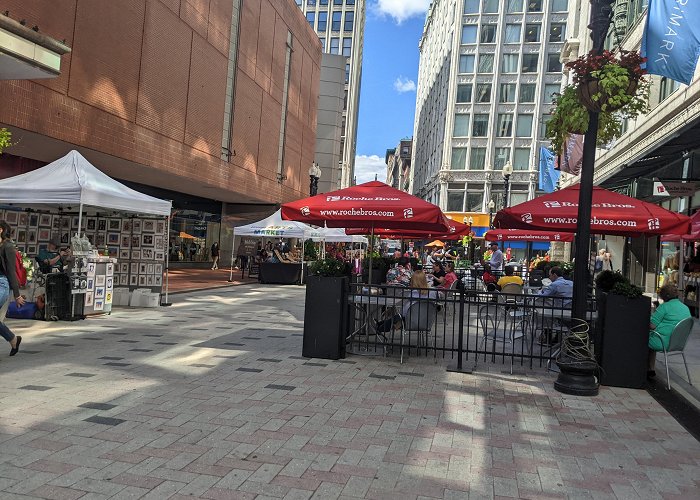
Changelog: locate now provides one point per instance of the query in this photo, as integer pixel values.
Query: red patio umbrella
(456, 231)
(369, 205)
(694, 234)
(612, 213)
(526, 235)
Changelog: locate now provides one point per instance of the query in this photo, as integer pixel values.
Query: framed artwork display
(157, 280)
(56, 222)
(44, 235)
(90, 237)
(109, 283)
(100, 280)
(134, 268)
(22, 221)
(65, 238)
(135, 241)
(45, 220)
(101, 224)
(112, 238)
(126, 225)
(91, 224)
(90, 282)
(148, 226)
(89, 299)
(133, 279)
(99, 304)
(158, 269)
(21, 236)
(31, 236)
(124, 280)
(124, 254)
(159, 243)
(142, 280)
(126, 241)
(149, 280)
(150, 269)
(160, 227)
(65, 222)
(113, 252)
(158, 255)
(124, 267)
(147, 240)
(31, 250)
(109, 268)
(142, 267)
(100, 239)
(33, 220)
(115, 225)
(147, 253)
(136, 226)
(11, 217)
(136, 254)
(76, 220)
(100, 292)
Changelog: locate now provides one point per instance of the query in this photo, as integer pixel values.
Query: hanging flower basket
(594, 97)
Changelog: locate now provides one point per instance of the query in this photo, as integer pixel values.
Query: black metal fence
(467, 324)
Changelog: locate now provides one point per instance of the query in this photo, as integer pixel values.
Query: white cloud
(401, 10)
(403, 84)
(367, 166)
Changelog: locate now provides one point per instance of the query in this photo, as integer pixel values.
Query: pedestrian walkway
(210, 398)
(188, 280)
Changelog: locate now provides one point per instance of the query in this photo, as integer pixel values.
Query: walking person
(215, 255)
(8, 281)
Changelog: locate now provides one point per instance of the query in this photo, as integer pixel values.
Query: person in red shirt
(449, 278)
(487, 277)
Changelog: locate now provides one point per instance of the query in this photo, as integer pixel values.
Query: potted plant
(310, 251)
(610, 84)
(325, 311)
(622, 330)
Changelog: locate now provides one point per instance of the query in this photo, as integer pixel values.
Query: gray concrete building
(329, 126)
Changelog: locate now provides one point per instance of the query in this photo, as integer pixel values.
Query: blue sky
(389, 74)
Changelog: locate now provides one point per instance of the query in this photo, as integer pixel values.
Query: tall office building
(487, 73)
(340, 25)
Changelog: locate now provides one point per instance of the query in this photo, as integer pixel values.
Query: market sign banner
(671, 40)
(248, 246)
(674, 188)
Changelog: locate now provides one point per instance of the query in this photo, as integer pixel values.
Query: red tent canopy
(694, 231)
(526, 235)
(456, 231)
(369, 205)
(612, 213)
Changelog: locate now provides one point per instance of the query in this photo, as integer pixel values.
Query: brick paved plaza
(210, 398)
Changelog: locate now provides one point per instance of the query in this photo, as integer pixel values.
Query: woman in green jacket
(663, 321)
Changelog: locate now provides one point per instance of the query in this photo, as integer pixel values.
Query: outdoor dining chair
(676, 345)
(419, 318)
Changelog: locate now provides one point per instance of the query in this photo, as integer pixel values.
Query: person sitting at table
(52, 258)
(449, 278)
(509, 278)
(437, 273)
(419, 290)
(487, 277)
(663, 320)
(401, 274)
(559, 287)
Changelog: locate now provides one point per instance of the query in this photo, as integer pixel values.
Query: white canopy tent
(337, 234)
(73, 181)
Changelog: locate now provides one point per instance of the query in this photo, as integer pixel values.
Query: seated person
(663, 321)
(52, 257)
(419, 285)
(509, 278)
(487, 277)
(560, 287)
(437, 273)
(401, 274)
(449, 278)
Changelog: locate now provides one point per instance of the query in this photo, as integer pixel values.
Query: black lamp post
(577, 374)
(491, 207)
(507, 172)
(314, 174)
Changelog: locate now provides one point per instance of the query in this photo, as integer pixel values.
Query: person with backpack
(8, 281)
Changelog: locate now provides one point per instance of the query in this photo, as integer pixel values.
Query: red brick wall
(146, 82)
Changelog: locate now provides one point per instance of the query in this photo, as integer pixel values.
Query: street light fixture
(314, 174)
(491, 206)
(507, 172)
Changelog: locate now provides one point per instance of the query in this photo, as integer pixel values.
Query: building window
(311, 17)
(337, 2)
(490, 6)
(455, 201)
(485, 63)
(347, 73)
(469, 33)
(466, 63)
(336, 19)
(349, 21)
(543, 128)
(527, 92)
(480, 126)
(502, 156)
(521, 159)
(323, 43)
(560, 5)
(474, 201)
(311, 3)
(517, 198)
(509, 63)
(477, 157)
(488, 33)
(532, 33)
(459, 159)
(464, 93)
(530, 63)
(667, 87)
(323, 2)
(299, 3)
(335, 45)
(514, 6)
(557, 32)
(349, 2)
(505, 125)
(347, 47)
(322, 21)
(483, 92)
(506, 92)
(471, 6)
(550, 89)
(524, 126)
(553, 63)
(512, 33)
(461, 128)
(534, 5)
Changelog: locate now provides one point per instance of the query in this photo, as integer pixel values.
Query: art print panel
(148, 226)
(45, 220)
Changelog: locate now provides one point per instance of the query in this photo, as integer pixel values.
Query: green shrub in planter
(329, 267)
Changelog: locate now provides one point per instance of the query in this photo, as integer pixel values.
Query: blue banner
(671, 41)
(548, 175)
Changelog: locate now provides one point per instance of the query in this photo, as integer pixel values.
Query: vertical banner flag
(548, 176)
(671, 41)
(571, 158)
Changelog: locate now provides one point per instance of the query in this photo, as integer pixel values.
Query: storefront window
(192, 234)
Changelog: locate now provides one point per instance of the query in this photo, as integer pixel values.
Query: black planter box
(622, 346)
(325, 314)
